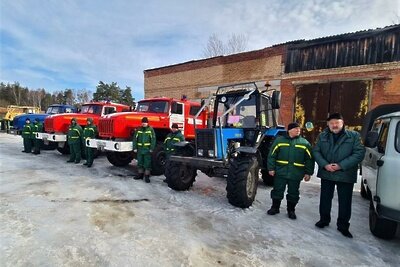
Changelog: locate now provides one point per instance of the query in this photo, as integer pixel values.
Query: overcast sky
(59, 44)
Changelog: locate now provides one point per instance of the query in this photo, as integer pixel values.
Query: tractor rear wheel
(180, 176)
(242, 181)
(119, 159)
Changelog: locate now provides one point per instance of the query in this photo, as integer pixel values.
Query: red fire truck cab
(116, 130)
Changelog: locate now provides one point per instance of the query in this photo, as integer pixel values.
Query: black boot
(345, 232)
(139, 176)
(290, 209)
(276, 203)
(147, 178)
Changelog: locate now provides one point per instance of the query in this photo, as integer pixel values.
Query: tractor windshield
(242, 114)
(91, 109)
(153, 106)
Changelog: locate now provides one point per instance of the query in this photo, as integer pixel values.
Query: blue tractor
(242, 127)
(19, 121)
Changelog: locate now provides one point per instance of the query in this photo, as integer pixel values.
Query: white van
(381, 175)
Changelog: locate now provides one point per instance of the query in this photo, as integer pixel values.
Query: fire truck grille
(106, 127)
(49, 125)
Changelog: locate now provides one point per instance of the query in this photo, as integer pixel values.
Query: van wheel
(380, 227)
(363, 191)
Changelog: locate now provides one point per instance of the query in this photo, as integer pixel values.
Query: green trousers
(293, 194)
(27, 144)
(37, 143)
(144, 161)
(75, 152)
(89, 155)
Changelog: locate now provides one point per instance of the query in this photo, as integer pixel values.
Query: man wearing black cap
(338, 153)
(144, 142)
(74, 139)
(289, 161)
(27, 136)
(173, 137)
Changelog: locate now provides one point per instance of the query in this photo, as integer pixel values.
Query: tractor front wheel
(180, 176)
(242, 181)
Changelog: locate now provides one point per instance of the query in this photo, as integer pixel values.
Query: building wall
(193, 78)
(385, 84)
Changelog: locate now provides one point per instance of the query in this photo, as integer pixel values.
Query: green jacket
(348, 152)
(89, 132)
(171, 139)
(27, 130)
(291, 158)
(74, 134)
(144, 139)
(37, 128)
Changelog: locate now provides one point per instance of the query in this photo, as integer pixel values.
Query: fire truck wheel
(63, 150)
(268, 179)
(180, 177)
(158, 161)
(242, 181)
(119, 159)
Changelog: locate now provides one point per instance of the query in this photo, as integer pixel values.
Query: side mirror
(309, 126)
(372, 139)
(276, 100)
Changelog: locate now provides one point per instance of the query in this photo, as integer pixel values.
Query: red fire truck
(116, 130)
(56, 126)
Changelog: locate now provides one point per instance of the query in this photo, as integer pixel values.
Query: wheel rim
(250, 184)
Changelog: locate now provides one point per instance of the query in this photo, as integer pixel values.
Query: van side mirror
(372, 139)
(276, 100)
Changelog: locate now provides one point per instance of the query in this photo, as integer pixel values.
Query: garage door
(314, 102)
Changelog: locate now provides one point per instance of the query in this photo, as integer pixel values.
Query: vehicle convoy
(116, 130)
(19, 121)
(56, 126)
(12, 111)
(236, 146)
(380, 176)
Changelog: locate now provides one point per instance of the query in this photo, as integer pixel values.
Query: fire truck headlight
(116, 146)
(200, 152)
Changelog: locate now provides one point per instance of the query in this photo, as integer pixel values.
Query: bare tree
(236, 44)
(83, 96)
(215, 47)
(17, 93)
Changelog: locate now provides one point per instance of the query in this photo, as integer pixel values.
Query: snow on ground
(58, 214)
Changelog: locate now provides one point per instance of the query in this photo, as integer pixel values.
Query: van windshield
(54, 110)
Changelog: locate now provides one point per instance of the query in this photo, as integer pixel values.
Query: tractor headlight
(211, 153)
(200, 152)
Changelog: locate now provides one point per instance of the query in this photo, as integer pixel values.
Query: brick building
(350, 73)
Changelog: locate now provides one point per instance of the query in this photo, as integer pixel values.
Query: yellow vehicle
(13, 111)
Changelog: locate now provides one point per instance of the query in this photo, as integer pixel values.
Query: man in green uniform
(27, 136)
(144, 142)
(89, 132)
(289, 161)
(74, 139)
(338, 153)
(37, 128)
(173, 137)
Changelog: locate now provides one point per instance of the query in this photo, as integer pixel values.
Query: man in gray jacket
(338, 153)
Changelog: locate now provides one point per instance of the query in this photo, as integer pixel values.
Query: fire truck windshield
(91, 109)
(153, 106)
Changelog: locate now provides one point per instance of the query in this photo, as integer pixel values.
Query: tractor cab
(236, 144)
